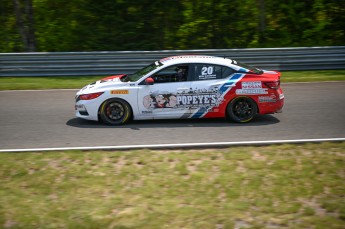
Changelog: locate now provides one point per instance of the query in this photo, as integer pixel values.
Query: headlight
(90, 96)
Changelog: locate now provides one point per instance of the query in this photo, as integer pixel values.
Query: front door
(162, 99)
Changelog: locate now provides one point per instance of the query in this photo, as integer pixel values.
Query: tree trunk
(262, 23)
(25, 24)
(262, 15)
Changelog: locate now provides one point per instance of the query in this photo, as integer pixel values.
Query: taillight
(90, 96)
(273, 84)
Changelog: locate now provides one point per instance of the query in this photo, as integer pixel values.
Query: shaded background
(110, 25)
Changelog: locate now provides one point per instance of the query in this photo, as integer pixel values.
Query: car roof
(171, 60)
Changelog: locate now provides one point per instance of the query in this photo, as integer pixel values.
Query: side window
(226, 72)
(176, 73)
(211, 72)
(207, 72)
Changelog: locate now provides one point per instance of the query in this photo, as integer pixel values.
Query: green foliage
(9, 36)
(86, 25)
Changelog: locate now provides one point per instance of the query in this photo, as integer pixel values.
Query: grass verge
(69, 82)
(313, 76)
(35, 83)
(285, 186)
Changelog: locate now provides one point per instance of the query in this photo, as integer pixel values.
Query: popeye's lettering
(204, 99)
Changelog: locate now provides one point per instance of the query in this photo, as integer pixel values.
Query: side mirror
(149, 81)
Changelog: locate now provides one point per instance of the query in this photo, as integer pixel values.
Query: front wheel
(241, 109)
(115, 112)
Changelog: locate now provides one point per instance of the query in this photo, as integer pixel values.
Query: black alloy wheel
(115, 112)
(242, 109)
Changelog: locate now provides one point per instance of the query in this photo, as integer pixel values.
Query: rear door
(209, 83)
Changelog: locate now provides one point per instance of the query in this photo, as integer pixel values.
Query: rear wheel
(115, 112)
(242, 109)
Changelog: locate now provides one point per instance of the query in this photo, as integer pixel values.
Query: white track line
(182, 145)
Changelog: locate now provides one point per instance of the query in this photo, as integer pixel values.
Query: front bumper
(87, 109)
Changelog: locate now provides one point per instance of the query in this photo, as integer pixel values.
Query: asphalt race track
(45, 119)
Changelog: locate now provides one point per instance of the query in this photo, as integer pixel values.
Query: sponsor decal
(160, 100)
(207, 73)
(267, 99)
(200, 100)
(191, 99)
(122, 92)
(258, 91)
(251, 85)
(252, 88)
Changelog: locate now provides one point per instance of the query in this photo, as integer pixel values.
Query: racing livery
(186, 86)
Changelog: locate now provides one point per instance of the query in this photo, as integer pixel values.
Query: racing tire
(242, 109)
(115, 112)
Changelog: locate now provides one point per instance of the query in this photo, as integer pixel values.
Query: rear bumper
(271, 104)
(270, 108)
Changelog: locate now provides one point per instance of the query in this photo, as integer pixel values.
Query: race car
(180, 87)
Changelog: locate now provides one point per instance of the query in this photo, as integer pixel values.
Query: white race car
(187, 86)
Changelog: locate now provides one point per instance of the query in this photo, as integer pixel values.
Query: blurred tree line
(109, 25)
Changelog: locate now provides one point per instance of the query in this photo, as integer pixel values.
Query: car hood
(104, 84)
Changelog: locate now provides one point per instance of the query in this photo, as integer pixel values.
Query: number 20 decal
(206, 71)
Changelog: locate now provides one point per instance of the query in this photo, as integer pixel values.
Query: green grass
(311, 76)
(58, 82)
(286, 186)
(66, 82)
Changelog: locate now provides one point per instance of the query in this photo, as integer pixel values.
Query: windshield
(137, 75)
(251, 68)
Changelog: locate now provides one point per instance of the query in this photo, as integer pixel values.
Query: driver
(181, 74)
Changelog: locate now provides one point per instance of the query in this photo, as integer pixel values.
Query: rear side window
(226, 72)
(211, 72)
